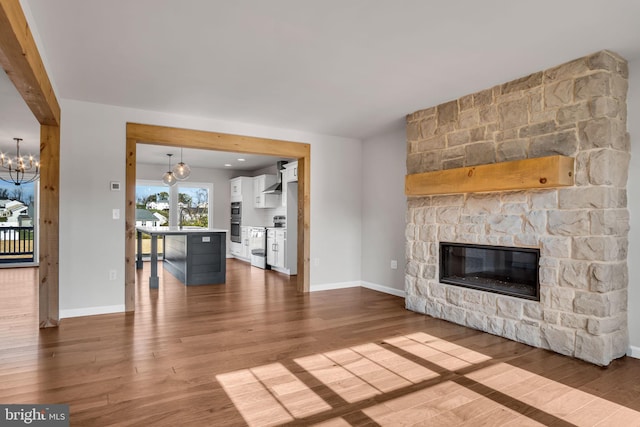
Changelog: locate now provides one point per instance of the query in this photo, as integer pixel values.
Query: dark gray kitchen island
(194, 255)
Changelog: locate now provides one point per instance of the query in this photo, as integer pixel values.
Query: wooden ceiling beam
(21, 60)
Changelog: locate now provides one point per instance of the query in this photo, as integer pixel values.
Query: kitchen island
(194, 255)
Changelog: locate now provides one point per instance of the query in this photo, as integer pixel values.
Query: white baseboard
(368, 285)
(634, 352)
(384, 289)
(91, 311)
(330, 286)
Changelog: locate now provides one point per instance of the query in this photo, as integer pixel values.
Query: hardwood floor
(254, 352)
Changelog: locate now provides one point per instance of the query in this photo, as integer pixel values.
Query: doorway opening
(186, 138)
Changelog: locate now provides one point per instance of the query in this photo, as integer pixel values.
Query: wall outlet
(113, 274)
(394, 264)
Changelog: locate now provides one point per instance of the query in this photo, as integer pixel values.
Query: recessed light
(241, 160)
(227, 165)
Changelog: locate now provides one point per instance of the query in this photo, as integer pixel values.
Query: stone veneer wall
(577, 109)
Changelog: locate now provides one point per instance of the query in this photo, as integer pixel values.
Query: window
(186, 203)
(18, 219)
(152, 203)
(193, 204)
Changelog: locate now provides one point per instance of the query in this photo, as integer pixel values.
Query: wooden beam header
(187, 138)
(543, 172)
(21, 60)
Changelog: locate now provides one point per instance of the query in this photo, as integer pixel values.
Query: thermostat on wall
(115, 186)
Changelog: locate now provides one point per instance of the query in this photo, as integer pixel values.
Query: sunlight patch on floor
(560, 400)
(292, 393)
(252, 399)
(390, 374)
(345, 384)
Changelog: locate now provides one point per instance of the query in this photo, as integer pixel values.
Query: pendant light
(169, 178)
(181, 171)
(20, 170)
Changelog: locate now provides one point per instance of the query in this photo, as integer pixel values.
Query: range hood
(277, 187)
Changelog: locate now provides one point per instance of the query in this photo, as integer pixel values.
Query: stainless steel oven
(236, 221)
(235, 232)
(236, 210)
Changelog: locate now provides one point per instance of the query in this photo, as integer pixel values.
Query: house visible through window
(186, 204)
(193, 202)
(152, 209)
(18, 219)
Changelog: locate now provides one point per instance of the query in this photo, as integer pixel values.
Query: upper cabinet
(290, 173)
(262, 200)
(236, 187)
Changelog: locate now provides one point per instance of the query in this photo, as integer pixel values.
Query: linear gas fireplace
(503, 270)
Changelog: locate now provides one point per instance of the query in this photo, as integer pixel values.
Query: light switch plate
(116, 214)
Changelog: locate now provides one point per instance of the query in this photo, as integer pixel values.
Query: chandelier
(19, 170)
(181, 170)
(169, 178)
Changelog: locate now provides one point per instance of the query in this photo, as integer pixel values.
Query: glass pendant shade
(181, 171)
(169, 178)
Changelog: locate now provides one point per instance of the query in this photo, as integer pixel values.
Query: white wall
(93, 154)
(336, 177)
(383, 209)
(633, 197)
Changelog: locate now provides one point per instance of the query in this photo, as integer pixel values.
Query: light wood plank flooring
(253, 352)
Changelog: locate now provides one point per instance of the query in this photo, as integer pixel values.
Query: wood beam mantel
(543, 172)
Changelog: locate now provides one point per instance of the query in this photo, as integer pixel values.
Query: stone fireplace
(577, 109)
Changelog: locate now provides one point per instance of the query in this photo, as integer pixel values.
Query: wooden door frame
(187, 138)
(21, 60)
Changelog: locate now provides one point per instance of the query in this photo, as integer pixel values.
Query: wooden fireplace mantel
(542, 172)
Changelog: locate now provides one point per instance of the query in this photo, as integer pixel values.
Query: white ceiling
(157, 155)
(338, 67)
(16, 120)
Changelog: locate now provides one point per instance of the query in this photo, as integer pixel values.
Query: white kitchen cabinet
(276, 247)
(236, 249)
(291, 172)
(241, 190)
(285, 183)
(260, 199)
(236, 189)
(241, 250)
(244, 239)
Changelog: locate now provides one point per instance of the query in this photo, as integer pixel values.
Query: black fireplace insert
(499, 269)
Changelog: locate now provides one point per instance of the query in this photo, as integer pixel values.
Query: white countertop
(178, 230)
